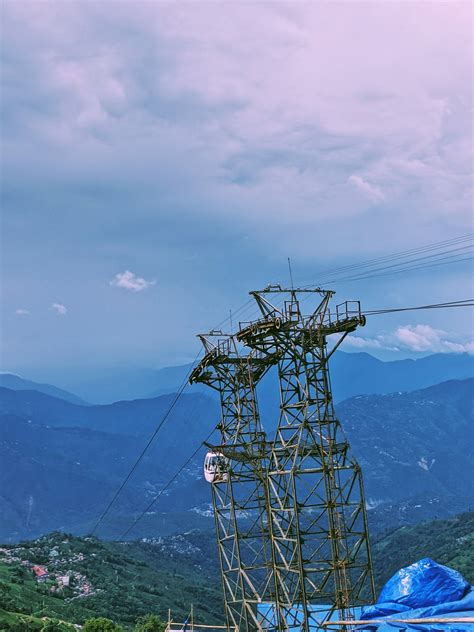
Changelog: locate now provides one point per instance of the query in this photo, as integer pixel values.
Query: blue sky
(161, 159)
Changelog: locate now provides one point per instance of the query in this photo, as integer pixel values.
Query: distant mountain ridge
(351, 373)
(421, 440)
(59, 462)
(130, 417)
(360, 373)
(17, 383)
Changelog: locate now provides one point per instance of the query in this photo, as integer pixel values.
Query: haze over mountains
(352, 374)
(61, 462)
(17, 383)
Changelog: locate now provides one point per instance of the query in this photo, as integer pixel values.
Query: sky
(162, 159)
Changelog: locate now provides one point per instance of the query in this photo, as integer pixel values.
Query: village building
(63, 580)
(41, 573)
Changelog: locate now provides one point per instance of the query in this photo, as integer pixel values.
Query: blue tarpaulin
(423, 590)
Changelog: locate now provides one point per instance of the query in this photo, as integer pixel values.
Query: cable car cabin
(215, 467)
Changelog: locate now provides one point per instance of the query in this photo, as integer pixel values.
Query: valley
(86, 577)
(61, 461)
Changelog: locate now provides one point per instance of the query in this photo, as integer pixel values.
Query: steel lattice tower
(316, 509)
(239, 497)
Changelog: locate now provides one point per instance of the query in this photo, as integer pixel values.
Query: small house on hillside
(41, 573)
(63, 580)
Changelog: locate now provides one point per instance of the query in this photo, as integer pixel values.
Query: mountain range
(351, 373)
(414, 444)
(17, 383)
(61, 462)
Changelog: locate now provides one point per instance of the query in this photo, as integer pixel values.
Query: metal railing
(190, 625)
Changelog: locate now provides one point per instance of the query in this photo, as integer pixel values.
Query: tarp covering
(423, 590)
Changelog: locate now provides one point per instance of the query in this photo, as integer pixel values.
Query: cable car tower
(235, 468)
(316, 508)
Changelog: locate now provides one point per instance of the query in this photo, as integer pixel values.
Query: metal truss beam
(316, 507)
(239, 496)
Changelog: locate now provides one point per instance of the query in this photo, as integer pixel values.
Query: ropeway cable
(465, 303)
(145, 449)
(406, 267)
(356, 271)
(168, 484)
(406, 254)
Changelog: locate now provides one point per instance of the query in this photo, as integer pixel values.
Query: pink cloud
(314, 111)
(415, 338)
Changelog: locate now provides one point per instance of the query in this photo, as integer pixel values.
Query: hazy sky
(161, 159)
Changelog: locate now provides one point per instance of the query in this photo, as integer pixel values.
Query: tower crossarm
(256, 334)
(222, 361)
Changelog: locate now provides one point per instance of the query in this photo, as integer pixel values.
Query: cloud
(426, 338)
(381, 342)
(129, 281)
(214, 140)
(414, 338)
(22, 312)
(370, 190)
(164, 105)
(59, 308)
(364, 343)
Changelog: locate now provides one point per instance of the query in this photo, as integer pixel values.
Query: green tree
(101, 624)
(51, 626)
(149, 623)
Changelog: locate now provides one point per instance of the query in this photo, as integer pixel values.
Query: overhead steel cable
(440, 262)
(449, 260)
(166, 487)
(147, 446)
(235, 313)
(406, 254)
(439, 256)
(246, 309)
(464, 303)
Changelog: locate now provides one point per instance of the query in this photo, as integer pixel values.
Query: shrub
(149, 623)
(101, 624)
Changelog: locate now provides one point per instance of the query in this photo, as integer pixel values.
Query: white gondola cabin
(215, 467)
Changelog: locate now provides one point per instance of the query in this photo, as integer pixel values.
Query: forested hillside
(87, 578)
(123, 581)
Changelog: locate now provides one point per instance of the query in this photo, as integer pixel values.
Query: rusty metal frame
(316, 507)
(239, 496)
